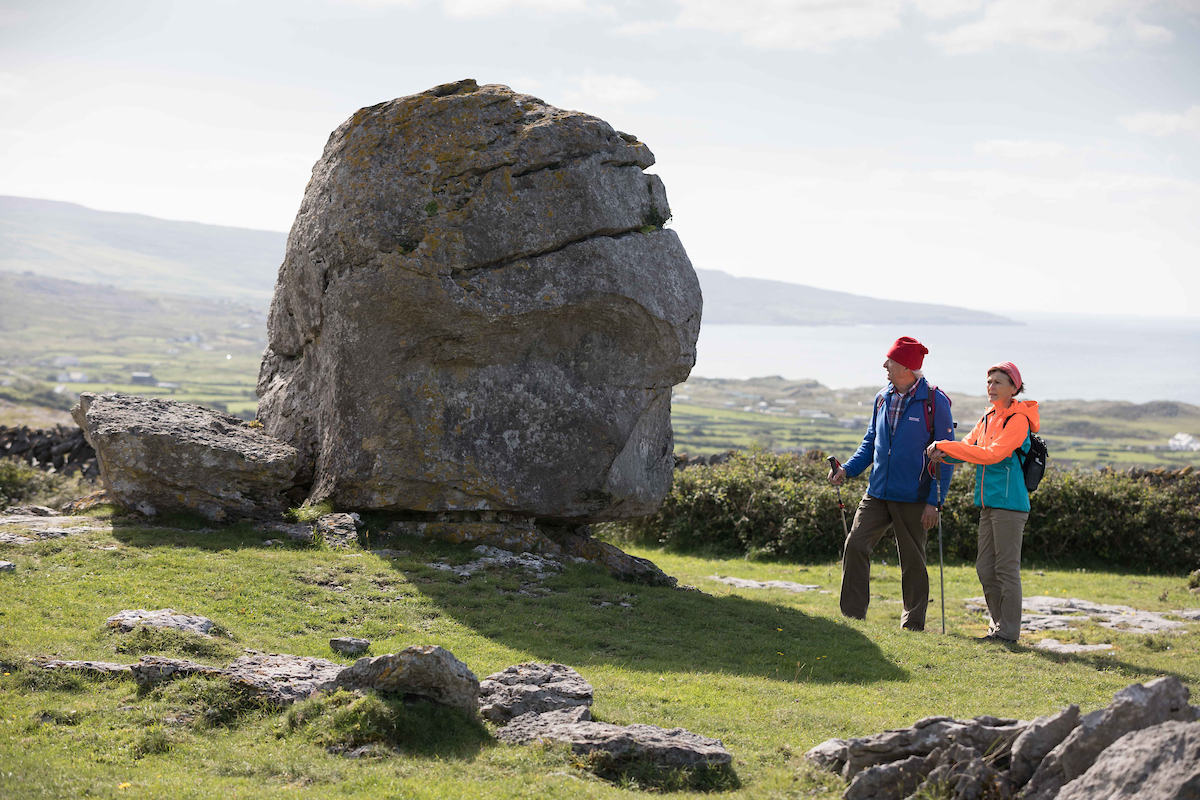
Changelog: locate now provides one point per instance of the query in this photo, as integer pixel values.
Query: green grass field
(770, 673)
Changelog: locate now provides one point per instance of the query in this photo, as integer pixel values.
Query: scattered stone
(162, 618)
(985, 734)
(891, 781)
(579, 543)
(158, 455)
(94, 667)
(30, 511)
(7, 566)
(153, 670)
(480, 309)
(350, 646)
(495, 529)
(427, 671)
(1133, 708)
(1055, 646)
(283, 679)
(296, 531)
(1041, 613)
(531, 688)
(389, 553)
(746, 583)
(271, 542)
(1043, 735)
(1160, 762)
(12, 538)
(830, 755)
(88, 501)
(493, 557)
(674, 748)
(339, 531)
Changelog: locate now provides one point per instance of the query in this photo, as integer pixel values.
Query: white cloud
(593, 90)
(1015, 148)
(1156, 123)
(944, 9)
(10, 85)
(491, 8)
(1054, 25)
(793, 24)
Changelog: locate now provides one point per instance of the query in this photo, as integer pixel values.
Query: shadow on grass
(581, 621)
(189, 530)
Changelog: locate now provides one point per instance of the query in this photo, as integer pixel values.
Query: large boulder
(479, 309)
(158, 455)
(1160, 762)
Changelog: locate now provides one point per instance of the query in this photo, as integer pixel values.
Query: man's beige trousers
(871, 522)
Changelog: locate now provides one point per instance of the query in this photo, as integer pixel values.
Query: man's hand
(929, 517)
(935, 455)
(837, 477)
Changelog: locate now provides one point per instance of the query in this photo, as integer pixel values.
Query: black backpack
(1032, 461)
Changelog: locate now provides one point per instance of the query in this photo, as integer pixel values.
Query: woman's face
(1000, 387)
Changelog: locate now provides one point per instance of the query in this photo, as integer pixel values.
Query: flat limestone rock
(283, 679)
(1055, 646)
(157, 455)
(30, 511)
(161, 618)
(153, 670)
(746, 583)
(1161, 762)
(479, 309)
(1133, 708)
(105, 668)
(531, 687)
(427, 671)
(675, 747)
(1042, 613)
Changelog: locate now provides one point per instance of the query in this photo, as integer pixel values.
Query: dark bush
(762, 503)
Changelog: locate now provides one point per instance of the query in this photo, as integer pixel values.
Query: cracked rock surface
(480, 310)
(531, 688)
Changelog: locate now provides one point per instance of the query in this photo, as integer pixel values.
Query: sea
(1138, 359)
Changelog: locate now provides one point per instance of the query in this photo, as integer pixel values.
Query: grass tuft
(309, 513)
(158, 641)
(212, 702)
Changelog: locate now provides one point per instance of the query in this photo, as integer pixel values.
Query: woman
(999, 492)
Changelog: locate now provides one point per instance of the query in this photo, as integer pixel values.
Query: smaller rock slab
(494, 557)
(283, 679)
(162, 618)
(30, 511)
(95, 667)
(1055, 646)
(670, 748)
(531, 688)
(339, 531)
(427, 671)
(153, 670)
(1044, 613)
(746, 583)
(349, 645)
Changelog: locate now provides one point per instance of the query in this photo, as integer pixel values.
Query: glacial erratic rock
(479, 309)
(531, 688)
(1160, 762)
(158, 455)
(127, 620)
(427, 671)
(1133, 708)
(671, 748)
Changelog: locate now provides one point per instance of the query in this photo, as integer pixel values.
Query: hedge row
(783, 506)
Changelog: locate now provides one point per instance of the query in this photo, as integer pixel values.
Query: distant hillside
(754, 301)
(132, 251)
(140, 253)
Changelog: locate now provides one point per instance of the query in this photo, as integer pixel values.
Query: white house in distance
(1183, 441)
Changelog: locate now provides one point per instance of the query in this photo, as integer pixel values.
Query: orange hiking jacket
(999, 480)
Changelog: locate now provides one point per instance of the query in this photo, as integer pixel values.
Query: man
(900, 493)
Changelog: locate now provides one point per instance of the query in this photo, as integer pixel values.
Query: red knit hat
(908, 352)
(1009, 369)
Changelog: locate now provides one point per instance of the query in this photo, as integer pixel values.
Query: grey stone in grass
(531, 687)
(1042, 736)
(671, 748)
(105, 668)
(339, 531)
(1055, 646)
(1044, 613)
(830, 755)
(891, 781)
(153, 670)
(1161, 762)
(7, 566)
(1133, 708)
(158, 455)
(283, 679)
(480, 310)
(162, 618)
(30, 511)
(985, 734)
(746, 583)
(427, 671)
(349, 645)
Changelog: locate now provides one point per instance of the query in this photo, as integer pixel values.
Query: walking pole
(834, 466)
(941, 565)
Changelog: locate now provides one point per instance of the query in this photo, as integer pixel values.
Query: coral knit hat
(908, 352)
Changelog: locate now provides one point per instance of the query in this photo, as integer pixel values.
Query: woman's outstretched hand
(935, 455)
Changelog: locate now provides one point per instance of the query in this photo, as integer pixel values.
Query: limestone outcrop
(157, 455)
(479, 309)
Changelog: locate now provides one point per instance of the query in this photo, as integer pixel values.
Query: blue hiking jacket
(899, 468)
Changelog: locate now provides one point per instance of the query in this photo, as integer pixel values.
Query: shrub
(761, 503)
(20, 483)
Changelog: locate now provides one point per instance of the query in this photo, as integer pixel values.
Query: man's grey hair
(918, 374)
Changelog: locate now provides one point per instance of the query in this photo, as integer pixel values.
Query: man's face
(897, 373)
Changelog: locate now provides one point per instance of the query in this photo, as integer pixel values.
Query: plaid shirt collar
(896, 403)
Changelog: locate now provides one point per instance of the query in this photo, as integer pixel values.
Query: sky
(1006, 155)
